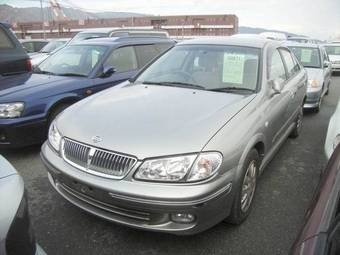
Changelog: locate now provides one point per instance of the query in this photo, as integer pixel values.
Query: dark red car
(320, 234)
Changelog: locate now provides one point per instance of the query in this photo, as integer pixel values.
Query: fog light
(2, 137)
(182, 217)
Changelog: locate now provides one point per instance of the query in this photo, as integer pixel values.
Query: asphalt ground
(284, 192)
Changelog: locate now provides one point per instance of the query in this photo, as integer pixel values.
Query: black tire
(55, 111)
(237, 214)
(298, 125)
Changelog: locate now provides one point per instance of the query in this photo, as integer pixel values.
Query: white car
(333, 133)
(333, 51)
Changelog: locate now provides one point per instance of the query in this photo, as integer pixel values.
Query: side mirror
(276, 86)
(107, 71)
(326, 64)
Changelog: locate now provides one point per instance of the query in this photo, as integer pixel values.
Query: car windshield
(76, 60)
(333, 50)
(208, 67)
(85, 36)
(309, 57)
(51, 46)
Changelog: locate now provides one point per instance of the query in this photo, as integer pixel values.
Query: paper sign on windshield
(233, 68)
(306, 55)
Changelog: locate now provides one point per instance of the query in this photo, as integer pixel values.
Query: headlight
(336, 141)
(11, 110)
(180, 168)
(313, 83)
(54, 136)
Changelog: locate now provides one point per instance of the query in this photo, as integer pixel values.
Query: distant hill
(30, 14)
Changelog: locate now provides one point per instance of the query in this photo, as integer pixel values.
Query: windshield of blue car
(333, 50)
(51, 46)
(308, 57)
(208, 67)
(78, 60)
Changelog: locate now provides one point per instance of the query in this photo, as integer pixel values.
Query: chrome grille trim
(96, 161)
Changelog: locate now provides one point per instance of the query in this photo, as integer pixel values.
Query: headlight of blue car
(11, 110)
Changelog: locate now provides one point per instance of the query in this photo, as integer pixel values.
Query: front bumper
(20, 132)
(313, 99)
(142, 205)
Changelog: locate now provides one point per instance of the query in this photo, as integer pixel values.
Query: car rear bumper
(143, 211)
(22, 132)
(313, 99)
(335, 67)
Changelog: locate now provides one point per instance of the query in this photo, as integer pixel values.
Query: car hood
(150, 121)
(334, 58)
(6, 169)
(15, 83)
(315, 74)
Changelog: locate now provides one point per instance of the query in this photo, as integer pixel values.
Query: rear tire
(246, 188)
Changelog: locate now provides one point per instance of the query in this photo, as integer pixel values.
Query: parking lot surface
(284, 193)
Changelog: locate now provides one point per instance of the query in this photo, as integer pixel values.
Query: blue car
(30, 101)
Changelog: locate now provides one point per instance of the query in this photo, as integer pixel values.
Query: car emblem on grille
(97, 139)
(89, 158)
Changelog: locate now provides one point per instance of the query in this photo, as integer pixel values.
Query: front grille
(96, 161)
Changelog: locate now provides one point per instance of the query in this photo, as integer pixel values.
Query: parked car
(47, 50)
(179, 148)
(320, 234)
(16, 233)
(333, 133)
(117, 32)
(29, 102)
(333, 51)
(315, 60)
(13, 59)
(33, 45)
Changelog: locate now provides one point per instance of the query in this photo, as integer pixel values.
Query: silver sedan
(180, 147)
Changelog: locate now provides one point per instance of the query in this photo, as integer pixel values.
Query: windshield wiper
(230, 89)
(43, 72)
(72, 74)
(175, 84)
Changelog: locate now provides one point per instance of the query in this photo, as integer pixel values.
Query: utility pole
(42, 18)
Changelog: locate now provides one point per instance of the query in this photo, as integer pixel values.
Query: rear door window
(145, 53)
(290, 65)
(123, 59)
(5, 41)
(277, 69)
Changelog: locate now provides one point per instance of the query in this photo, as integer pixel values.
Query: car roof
(255, 41)
(302, 45)
(332, 44)
(98, 30)
(34, 40)
(123, 40)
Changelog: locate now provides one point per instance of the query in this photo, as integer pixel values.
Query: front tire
(246, 188)
(54, 113)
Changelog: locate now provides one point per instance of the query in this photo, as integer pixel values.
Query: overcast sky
(318, 18)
